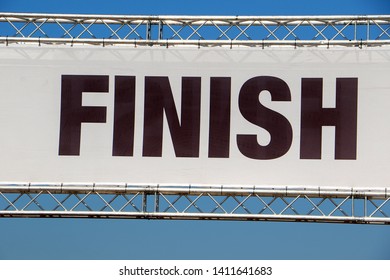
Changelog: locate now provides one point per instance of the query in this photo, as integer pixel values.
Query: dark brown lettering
(73, 113)
(186, 133)
(219, 123)
(276, 124)
(124, 113)
(343, 117)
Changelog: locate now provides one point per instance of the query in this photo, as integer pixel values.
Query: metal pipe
(39, 17)
(193, 216)
(163, 43)
(215, 190)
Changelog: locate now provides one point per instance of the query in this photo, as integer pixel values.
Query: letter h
(343, 117)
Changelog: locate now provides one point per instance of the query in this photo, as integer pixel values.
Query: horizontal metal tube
(172, 19)
(165, 43)
(193, 216)
(215, 190)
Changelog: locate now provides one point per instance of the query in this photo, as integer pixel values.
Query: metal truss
(195, 30)
(311, 204)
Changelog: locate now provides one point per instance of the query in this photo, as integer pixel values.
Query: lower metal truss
(298, 204)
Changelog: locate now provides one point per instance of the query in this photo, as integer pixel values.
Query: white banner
(248, 116)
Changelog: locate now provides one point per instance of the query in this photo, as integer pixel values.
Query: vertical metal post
(144, 202)
(365, 206)
(160, 30)
(156, 202)
(148, 30)
(353, 206)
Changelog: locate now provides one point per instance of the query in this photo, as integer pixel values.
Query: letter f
(73, 113)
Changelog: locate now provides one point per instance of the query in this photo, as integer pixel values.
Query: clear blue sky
(147, 239)
(200, 7)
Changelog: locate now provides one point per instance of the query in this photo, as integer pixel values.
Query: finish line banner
(214, 116)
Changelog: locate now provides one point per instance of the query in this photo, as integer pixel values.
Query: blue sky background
(148, 239)
(200, 7)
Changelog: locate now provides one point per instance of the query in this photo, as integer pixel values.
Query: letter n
(185, 133)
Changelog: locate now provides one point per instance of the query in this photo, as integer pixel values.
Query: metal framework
(310, 204)
(253, 203)
(195, 30)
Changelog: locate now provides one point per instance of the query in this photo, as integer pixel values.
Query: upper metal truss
(195, 30)
(309, 204)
